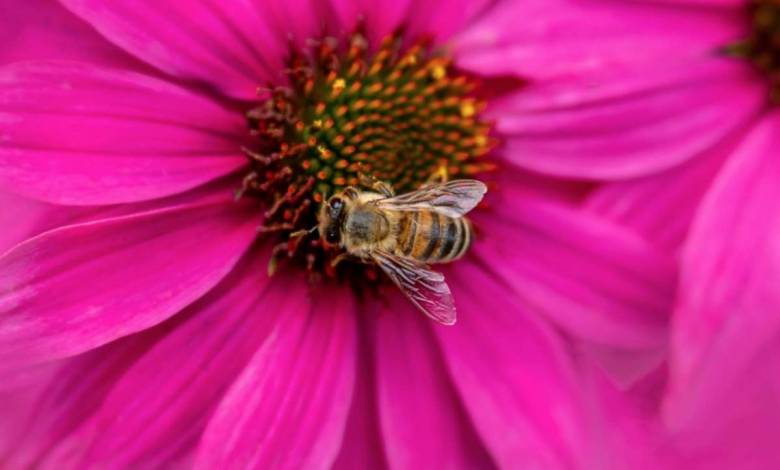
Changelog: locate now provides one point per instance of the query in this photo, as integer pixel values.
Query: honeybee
(402, 234)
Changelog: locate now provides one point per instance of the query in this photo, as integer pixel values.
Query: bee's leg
(384, 189)
(369, 181)
(302, 233)
(351, 192)
(338, 259)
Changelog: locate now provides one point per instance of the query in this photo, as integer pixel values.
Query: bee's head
(331, 219)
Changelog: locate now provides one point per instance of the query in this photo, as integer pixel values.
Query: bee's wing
(452, 199)
(425, 288)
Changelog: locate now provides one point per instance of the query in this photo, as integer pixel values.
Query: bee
(403, 234)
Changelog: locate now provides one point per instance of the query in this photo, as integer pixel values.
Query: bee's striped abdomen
(407, 234)
(456, 240)
(431, 237)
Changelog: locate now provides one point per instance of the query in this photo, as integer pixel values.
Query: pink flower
(679, 100)
(138, 326)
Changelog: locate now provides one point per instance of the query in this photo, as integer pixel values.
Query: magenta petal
(571, 38)
(626, 435)
(443, 18)
(289, 407)
(736, 4)
(20, 393)
(44, 29)
(78, 134)
(363, 443)
(625, 367)
(594, 279)
(513, 376)
(661, 206)
(381, 17)
(65, 402)
(740, 430)
(434, 19)
(23, 377)
(423, 421)
(160, 406)
(628, 123)
(298, 21)
(77, 287)
(227, 45)
(25, 218)
(19, 218)
(729, 306)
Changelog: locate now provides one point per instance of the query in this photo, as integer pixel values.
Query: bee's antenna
(301, 233)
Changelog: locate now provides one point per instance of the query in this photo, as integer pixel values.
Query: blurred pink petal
(77, 287)
(423, 421)
(625, 124)
(362, 445)
(661, 206)
(728, 310)
(44, 29)
(159, 407)
(19, 394)
(19, 217)
(66, 397)
(570, 38)
(628, 435)
(594, 279)
(382, 17)
(436, 19)
(443, 18)
(625, 367)
(739, 429)
(295, 20)
(513, 376)
(209, 41)
(289, 407)
(137, 137)
(734, 4)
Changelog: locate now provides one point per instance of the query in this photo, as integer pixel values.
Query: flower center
(399, 115)
(762, 47)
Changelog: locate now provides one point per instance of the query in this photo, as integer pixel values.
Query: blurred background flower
(679, 102)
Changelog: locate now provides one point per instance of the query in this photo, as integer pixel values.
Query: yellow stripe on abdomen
(409, 223)
(422, 236)
(463, 240)
(431, 237)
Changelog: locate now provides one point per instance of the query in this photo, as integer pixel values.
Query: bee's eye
(332, 235)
